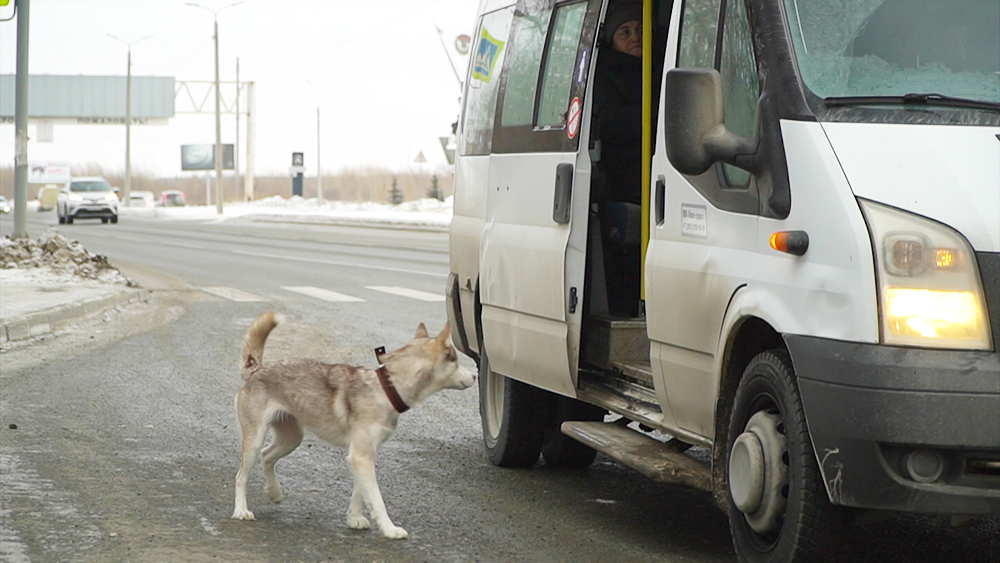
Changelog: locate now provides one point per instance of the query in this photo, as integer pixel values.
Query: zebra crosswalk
(322, 294)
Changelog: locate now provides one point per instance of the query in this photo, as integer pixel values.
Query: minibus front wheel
(512, 415)
(778, 506)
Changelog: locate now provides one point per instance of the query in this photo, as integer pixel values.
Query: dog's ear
(421, 331)
(445, 334)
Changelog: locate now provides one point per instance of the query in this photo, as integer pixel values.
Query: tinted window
(89, 187)
(560, 64)
(699, 31)
(484, 83)
(527, 45)
(740, 86)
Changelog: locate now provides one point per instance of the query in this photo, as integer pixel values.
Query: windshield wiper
(914, 99)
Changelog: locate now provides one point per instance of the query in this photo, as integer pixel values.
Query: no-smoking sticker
(573, 118)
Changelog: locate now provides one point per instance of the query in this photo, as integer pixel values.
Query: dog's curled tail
(253, 342)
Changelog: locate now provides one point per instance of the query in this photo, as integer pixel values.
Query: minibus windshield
(885, 50)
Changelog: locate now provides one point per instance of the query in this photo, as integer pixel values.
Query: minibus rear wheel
(513, 417)
(558, 449)
(778, 506)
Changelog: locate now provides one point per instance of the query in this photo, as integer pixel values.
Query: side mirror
(696, 136)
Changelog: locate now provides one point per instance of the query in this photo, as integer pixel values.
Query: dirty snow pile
(54, 257)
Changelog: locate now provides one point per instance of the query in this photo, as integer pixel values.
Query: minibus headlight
(75, 197)
(928, 282)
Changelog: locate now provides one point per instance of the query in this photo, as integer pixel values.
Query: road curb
(347, 222)
(50, 320)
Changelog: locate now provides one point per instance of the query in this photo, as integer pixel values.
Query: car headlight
(111, 197)
(930, 294)
(75, 197)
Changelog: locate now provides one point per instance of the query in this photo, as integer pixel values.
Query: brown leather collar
(390, 390)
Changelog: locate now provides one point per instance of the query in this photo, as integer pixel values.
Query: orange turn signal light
(792, 242)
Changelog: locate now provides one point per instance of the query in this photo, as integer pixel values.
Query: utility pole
(236, 143)
(127, 189)
(21, 123)
(319, 167)
(218, 126)
(218, 101)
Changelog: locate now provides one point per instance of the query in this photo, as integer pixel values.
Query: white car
(4, 205)
(87, 198)
(141, 198)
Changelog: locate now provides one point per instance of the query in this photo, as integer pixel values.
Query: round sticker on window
(573, 118)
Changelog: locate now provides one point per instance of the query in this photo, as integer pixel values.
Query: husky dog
(349, 406)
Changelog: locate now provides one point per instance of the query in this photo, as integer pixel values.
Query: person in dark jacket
(618, 103)
(618, 174)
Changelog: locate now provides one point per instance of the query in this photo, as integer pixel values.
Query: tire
(69, 220)
(794, 520)
(114, 219)
(62, 219)
(513, 417)
(558, 449)
(104, 220)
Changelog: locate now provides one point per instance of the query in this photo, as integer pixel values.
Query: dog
(348, 406)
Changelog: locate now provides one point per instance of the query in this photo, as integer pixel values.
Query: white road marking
(324, 294)
(405, 292)
(232, 294)
(335, 263)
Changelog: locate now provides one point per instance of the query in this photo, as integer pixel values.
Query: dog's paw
(358, 522)
(242, 514)
(274, 493)
(395, 533)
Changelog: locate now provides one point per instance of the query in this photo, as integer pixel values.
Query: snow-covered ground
(428, 213)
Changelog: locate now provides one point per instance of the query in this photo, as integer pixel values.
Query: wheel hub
(758, 474)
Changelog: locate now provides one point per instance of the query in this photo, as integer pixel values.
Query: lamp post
(127, 190)
(319, 168)
(218, 98)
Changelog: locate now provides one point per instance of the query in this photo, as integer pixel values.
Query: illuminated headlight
(75, 197)
(928, 282)
(111, 197)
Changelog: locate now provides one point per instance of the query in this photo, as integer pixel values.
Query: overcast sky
(385, 87)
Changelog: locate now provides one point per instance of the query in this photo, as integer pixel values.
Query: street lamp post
(319, 168)
(127, 190)
(218, 98)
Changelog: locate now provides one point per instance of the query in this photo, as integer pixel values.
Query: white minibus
(782, 287)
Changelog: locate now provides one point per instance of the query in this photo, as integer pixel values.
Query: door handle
(661, 197)
(563, 193)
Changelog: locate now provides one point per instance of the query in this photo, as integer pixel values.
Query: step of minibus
(620, 388)
(657, 460)
(612, 340)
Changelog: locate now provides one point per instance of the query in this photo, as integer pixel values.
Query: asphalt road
(125, 446)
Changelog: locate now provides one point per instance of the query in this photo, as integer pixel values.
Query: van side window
(716, 34)
(560, 63)
(527, 44)
(488, 54)
(740, 83)
(548, 65)
(699, 32)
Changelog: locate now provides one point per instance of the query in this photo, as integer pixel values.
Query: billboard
(46, 172)
(202, 157)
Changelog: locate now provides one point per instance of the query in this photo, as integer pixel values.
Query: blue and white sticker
(487, 53)
(582, 64)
